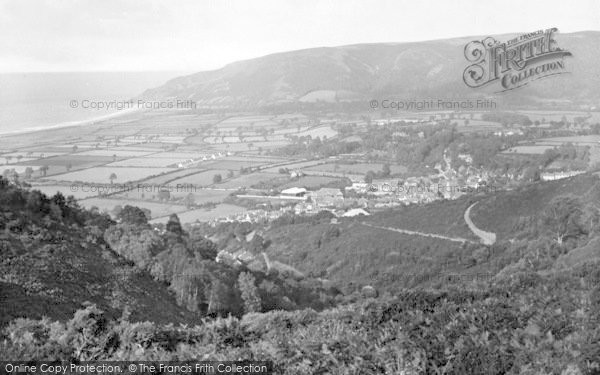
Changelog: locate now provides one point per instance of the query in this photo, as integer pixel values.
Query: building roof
(294, 191)
(328, 191)
(355, 212)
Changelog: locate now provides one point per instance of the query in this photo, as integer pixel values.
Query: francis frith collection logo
(516, 62)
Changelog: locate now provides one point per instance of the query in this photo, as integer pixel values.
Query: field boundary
(422, 234)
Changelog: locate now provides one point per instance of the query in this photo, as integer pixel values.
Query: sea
(33, 101)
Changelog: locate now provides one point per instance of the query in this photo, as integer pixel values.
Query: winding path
(487, 238)
(415, 233)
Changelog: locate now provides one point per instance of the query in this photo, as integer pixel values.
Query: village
(362, 197)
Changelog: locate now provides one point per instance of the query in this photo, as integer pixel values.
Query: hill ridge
(358, 72)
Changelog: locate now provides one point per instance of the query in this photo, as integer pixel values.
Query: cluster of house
(326, 199)
(505, 133)
(302, 208)
(415, 189)
(380, 193)
(253, 216)
(191, 162)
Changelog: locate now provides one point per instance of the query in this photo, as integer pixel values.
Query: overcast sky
(195, 35)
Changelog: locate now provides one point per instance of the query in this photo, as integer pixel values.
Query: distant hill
(431, 69)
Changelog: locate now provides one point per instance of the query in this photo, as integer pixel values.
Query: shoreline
(69, 124)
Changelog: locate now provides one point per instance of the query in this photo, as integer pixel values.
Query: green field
(171, 176)
(321, 131)
(582, 140)
(248, 180)
(552, 116)
(359, 168)
(202, 178)
(297, 165)
(66, 190)
(176, 192)
(148, 161)
(534, 149)
(477, 126)
(309, 182)
(120, 152)
(102, 174)
(236, 147)
(236, 164)
(75, 160)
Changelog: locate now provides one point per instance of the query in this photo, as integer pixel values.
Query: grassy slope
(388, 260)
(439, 217)
(54, 277)
(500, 213)
(365, 256)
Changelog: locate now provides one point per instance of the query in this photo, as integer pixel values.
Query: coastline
(69, 124)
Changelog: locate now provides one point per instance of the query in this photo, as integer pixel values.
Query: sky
(196, 35)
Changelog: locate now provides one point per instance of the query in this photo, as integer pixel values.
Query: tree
(217, 297)
(386, 171)
(36, 201)
(116, 211)
(43, 170)
(112, 177)
(189, 200)
(138, 245)
(202, 246)
(28, 172)
(249, 291)
(217, 178)
(241, 230)
(369, 177)
(531, 173)
(257, 244)
(174, 225)
(164, 195)
(74, 148)
(133, 215)
(562, 218)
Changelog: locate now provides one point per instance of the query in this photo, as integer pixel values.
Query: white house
(355, 212)
(294, 192)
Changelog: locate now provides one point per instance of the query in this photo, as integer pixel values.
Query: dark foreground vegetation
(156, 295)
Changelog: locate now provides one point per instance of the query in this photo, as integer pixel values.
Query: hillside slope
(527, 221)
(52, 260)
(537, 312)
(431, 69)
(508, 211)
(55, 257)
